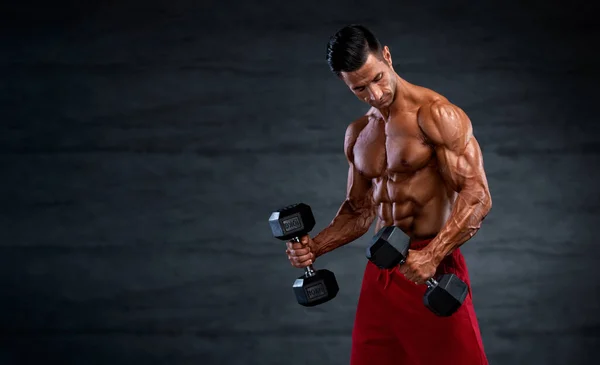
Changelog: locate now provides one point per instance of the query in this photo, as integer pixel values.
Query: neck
(385, 113)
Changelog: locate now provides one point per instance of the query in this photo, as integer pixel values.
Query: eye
(379, 77)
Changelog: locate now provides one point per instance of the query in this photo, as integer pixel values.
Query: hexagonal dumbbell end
(447, 296)
(292, 221)
(388, 248)
(316, 289)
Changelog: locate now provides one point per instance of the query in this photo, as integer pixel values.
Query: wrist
(316, 247)
(435, 256)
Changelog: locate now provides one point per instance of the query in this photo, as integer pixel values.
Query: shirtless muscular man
(415, 164)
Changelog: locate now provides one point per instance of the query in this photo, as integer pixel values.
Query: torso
(407, 187)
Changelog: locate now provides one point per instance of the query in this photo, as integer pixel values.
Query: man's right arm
(357, 212)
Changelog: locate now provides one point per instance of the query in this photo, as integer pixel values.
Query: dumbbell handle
(431, 282)
(309, 270)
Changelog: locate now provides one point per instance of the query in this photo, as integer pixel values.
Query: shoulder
(444, 123)
(352, 132)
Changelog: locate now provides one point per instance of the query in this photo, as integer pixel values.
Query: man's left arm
(460, 161)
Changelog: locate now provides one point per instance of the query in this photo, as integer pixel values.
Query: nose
(375, 94)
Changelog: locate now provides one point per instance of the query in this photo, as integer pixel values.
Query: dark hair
(349, 47)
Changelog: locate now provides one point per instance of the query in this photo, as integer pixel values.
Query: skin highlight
(413, 163)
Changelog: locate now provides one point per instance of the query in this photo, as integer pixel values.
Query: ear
(387, 56)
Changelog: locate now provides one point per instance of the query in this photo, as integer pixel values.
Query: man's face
(375, 82)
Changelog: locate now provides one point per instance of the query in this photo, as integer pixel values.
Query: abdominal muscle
(419, 204)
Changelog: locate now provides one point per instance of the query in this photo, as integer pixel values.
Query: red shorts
(393, 326)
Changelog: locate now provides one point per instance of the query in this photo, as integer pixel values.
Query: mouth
(383, 102)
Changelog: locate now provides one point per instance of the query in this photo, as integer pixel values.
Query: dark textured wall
(144, 145)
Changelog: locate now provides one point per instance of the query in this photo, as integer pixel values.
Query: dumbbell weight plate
(445, 298)
(316, 289)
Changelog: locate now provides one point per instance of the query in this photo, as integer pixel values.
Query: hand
(419, 267)
(301, 254)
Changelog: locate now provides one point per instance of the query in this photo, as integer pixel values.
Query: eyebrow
(360, 86)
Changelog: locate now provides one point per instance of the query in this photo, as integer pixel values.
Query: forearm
(348, 225)
(468, 212)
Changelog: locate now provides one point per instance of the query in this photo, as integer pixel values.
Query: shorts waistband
(420, 244)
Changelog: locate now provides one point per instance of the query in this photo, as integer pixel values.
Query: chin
(386, 104)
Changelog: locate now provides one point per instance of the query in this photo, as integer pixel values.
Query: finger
(301, 265)
(303, 258)
(304, 240)
(423, 280)
(410, 276)
(296, 265)
(295, 245)
(417, 278)
(291, 244)
(299, 252)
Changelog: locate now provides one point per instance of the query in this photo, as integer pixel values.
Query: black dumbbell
(389, 248)
(290, 224)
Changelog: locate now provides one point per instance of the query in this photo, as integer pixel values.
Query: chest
(393, 147)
